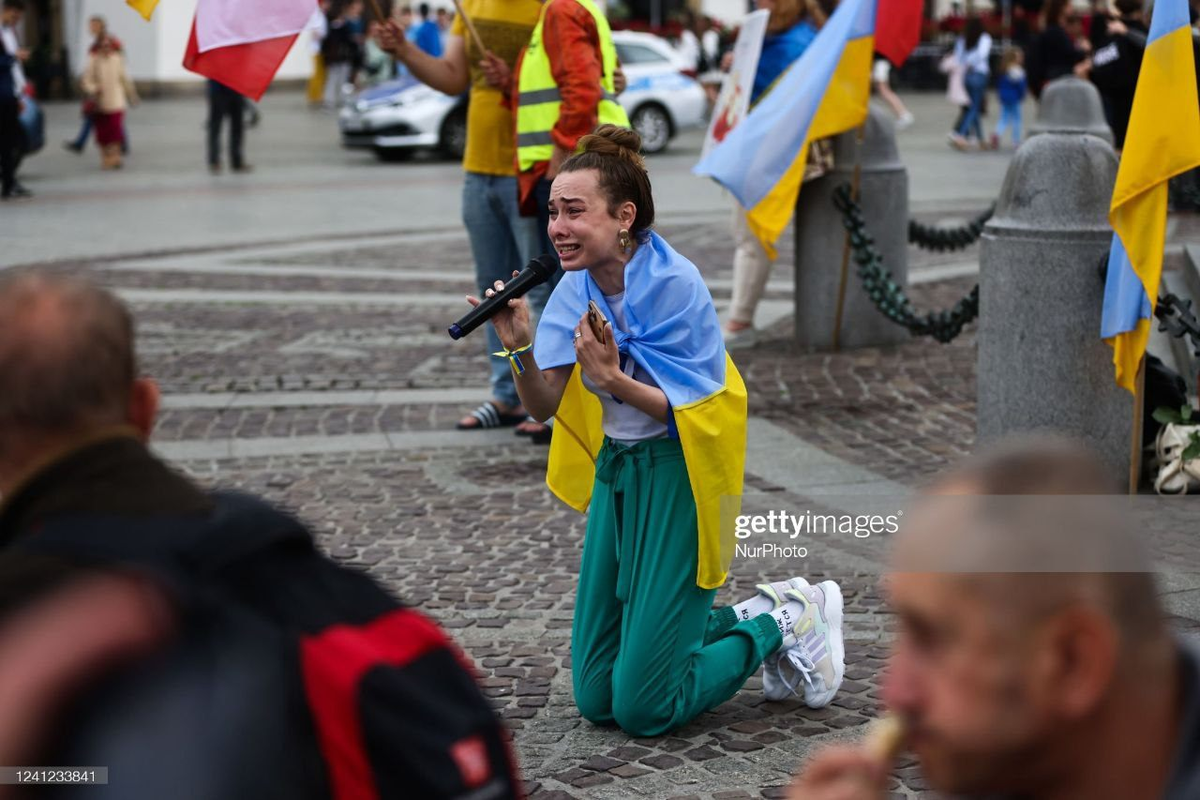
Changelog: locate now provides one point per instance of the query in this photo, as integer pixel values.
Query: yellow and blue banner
(1163, 141)
(675, 337)
(761, 161)
(143, 7)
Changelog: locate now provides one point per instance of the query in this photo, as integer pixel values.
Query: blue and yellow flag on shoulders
(675, 337)
(1163, 141)
(761, 161)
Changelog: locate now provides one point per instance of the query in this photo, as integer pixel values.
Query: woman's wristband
(514, 357)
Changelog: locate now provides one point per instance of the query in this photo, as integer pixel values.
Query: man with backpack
(196, 643)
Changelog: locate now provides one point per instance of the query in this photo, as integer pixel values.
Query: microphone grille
(544, 265)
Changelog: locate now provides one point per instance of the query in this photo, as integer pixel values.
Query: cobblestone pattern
(499, 572)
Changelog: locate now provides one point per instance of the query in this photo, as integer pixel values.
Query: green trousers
(648, 651)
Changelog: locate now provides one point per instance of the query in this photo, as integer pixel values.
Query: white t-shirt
(621, 421)
(12, 45)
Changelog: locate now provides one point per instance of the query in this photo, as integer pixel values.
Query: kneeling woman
(650, 429)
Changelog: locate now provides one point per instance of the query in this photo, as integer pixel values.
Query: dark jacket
(1051, 55)
(289, 677)
(1115, 66)
(8, 87)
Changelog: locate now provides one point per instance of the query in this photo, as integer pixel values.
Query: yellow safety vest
(539, 100)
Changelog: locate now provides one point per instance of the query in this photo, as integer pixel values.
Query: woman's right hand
(511, 323)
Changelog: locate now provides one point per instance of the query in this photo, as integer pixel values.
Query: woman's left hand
(600, 361)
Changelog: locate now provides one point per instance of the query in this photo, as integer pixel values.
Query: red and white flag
(243, 49)
(898, 28)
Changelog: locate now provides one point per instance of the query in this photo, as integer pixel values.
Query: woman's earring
(625, 240)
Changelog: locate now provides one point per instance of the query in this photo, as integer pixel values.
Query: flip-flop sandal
(520, 432)
(489, 416)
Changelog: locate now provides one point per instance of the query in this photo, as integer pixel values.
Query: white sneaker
(813, 658)
(905, 121)
(776, 592)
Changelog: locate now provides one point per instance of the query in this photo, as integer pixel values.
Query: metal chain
(942, 240)
(887, 295)
(1175, 317)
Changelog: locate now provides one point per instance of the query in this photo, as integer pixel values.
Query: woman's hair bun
(613, 140)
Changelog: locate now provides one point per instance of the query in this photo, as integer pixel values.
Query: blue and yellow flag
(825, 92)
(675, 337)
(1163, 141)
(143, 7)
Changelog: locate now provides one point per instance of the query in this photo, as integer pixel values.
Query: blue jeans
(501, 241)
(976, 84)
(1010, 115)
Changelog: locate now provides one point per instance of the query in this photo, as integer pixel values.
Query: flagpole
(377, 11)
(470, 28)
(1135, 439)
(841, 295)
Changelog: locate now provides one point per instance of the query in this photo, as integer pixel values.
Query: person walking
(1011, 88)
(99, 29)
(881, 82)
(502, 240)
(225, 102)
(106, 83)
(629, 347)
(971, 52)
(791, 28)
(341, 53)
(12, 88)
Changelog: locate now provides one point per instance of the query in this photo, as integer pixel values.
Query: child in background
(1011, 87)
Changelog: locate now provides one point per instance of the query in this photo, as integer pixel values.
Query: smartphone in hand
(597, 320)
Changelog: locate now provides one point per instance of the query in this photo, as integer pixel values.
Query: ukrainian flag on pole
(143, 7)
(1163, 141)
(825, 92)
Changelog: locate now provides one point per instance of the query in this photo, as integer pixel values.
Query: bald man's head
(66, 359)
(1027, 614)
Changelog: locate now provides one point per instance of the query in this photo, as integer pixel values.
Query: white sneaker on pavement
(812, 660)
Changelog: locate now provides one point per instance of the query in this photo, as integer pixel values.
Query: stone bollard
(820, 237)
(1041, 363)
(1071, 105)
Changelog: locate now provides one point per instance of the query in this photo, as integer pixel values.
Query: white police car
(399, 116)
(660, 97)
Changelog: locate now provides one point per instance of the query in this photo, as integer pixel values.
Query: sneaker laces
(805, 669)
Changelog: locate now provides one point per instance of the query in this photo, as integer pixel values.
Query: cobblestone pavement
(328, 365)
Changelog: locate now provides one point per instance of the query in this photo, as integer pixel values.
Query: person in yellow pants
(318, 26)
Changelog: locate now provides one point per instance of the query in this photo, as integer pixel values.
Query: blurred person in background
(1032, 647)
(502, 240)
(98, 28)
(314, 34)
(1115, 63)
(971, 52)
(1056, 50)
(881, 82)
(196, 643)
(378, 64)
(12, 89)
(426, 34)
(791, 28)
(107, 85)
(342, 53)
(565, 83)
(224, 102)
(1011, 88)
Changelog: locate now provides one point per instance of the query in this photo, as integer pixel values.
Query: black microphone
(536, 273)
